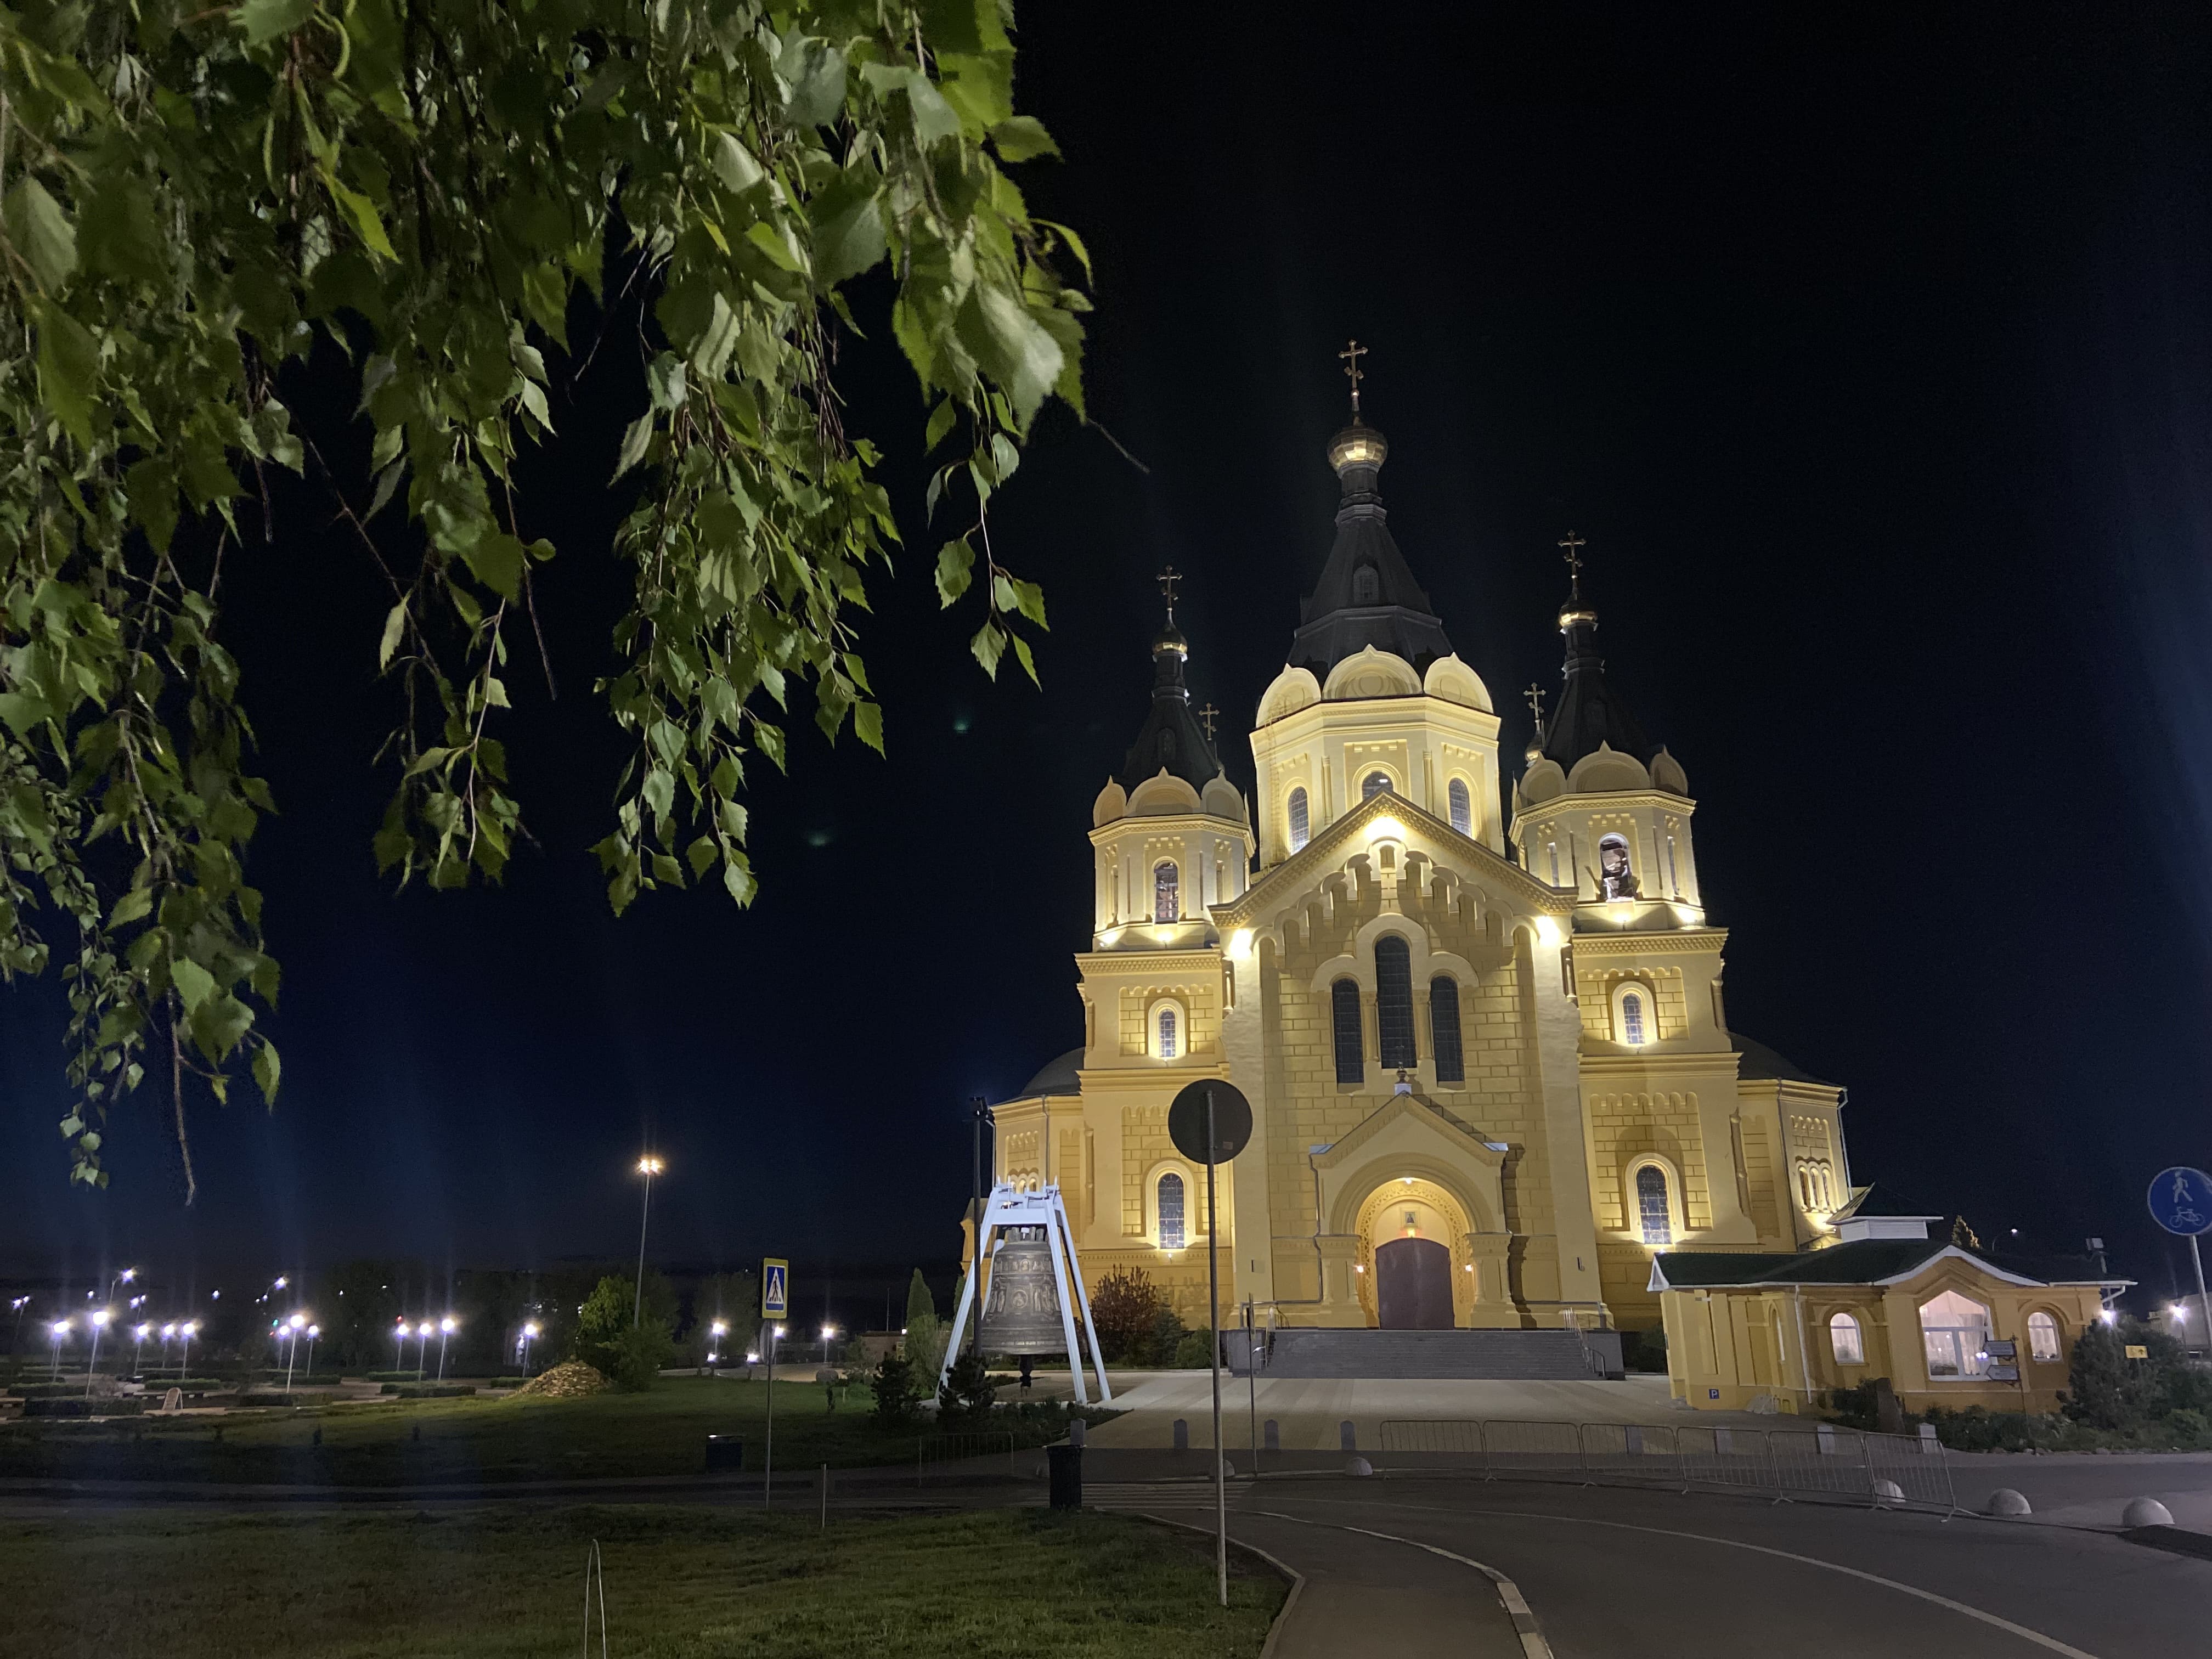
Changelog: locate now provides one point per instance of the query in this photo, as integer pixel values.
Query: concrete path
(1309, 1410)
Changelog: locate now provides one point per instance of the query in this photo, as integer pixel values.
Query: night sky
(1870, 356)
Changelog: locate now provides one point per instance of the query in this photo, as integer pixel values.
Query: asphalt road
(1617, 1574)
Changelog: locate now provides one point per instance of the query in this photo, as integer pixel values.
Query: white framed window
(1295, 810)
(1655, 1203)
(1461, 805)
(1954, 1331)
(1167, 891)
(1173, 1234)
(1635, 1014)
(1846, 1340)
(1166, 1030)
(2042, 1336)
(1168, 1034)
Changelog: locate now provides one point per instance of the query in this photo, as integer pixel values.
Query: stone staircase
(1545, 1355)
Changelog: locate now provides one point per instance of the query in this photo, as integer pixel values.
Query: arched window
(1168, 1033)
(1374, 784)
(1635, 1021)
(1846, 1340)
(1443, 1029)
(1955, 1330)
(1366, 586)
(1631, 1019)
(1804, 1187)
(1654, 1213)
(1170, 1200)
(2042, 1336)
(1298, 820)
(1393, 1001)
(1344, 1011)
(1462, 807)
(1167, 893)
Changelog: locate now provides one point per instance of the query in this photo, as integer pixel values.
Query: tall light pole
(292, 1328)
(400, 1346)
(100, 1318)
(313, 1331)
(59, 1331)
(648, 1166)
(16, 1342)
(188, 1330)
(719, 1330)
(423, 1352)
(139, 1333)
(529, 1335)
(446, 1326)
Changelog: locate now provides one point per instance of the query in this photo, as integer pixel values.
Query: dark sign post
(2181, 1202)
(1209, 1123)
(775, 1302)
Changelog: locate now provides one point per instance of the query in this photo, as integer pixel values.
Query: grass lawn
(480, 1438)
(492, 1583)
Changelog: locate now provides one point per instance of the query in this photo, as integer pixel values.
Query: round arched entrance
(1408, 1226)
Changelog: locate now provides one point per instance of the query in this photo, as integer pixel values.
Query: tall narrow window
(1167, 894)
(1168, 1034)
(1652, 1210)
(1344, 1017)
(1631, 1018)
(1462, 807)
(2042, 1336)
(1846, 1340)
(1298, 820)
(1393, 1001)
(1171, 1233)
(1374, 784)
(1443, 1029)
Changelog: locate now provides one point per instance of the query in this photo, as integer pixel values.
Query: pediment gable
(1298, 879)
(1410, 1123)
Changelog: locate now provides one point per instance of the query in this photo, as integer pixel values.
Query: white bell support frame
(1005, 1209)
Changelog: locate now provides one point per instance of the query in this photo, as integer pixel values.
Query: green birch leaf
(268, 1072)
(41, 233)
(264, 19)
(193, 983)
(395, 625)
(955, 565)
(988, 646)
(1028, 662)
(1023, 139)
(69, 367)
(868, 725)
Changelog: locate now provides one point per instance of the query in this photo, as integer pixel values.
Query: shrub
(429, 1390)
(1126, 1308)
(2107, 1391)
(1643, 1350)
(407, 1376)
(969, 1392)
(56, 1405)
(638, 1355)
(898, 1393)
(1194, 1351)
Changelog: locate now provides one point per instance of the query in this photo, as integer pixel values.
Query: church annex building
(1484, 1040)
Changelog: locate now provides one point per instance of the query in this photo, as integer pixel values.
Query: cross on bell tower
(1352, 352)
(1572, 545)
(1169, 580)
(1207, 716)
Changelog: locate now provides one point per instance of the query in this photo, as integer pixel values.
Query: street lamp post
(423, 1352)
(59, 1331)
(15, 1342)
(100, 1318)
(168, 1335)
(719, 1330)
(400, 1346)
(139, 1333)
(188, 1330)
(313, 1331)
(293, 1327)
(529, 1335)
(446, 1326)
(648, 1166)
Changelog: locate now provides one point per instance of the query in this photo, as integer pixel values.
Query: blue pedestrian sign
(2181, 1201)
(775, 1288)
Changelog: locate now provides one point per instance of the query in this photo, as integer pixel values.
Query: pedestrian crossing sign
(775, 1288)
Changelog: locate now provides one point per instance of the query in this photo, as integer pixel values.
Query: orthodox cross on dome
(1573, 546)
(1207, 716)
(1534, 697)
(1352, 352)
(1169, 580)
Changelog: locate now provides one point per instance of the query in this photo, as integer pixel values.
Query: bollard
(1273, 1435)
(1183, 1434)
(1066, 1466)
(1076, 1429)
(1347, 1436)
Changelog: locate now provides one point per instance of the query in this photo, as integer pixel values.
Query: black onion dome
(1170, 740)
(1366, 594)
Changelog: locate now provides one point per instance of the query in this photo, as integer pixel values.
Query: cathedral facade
(1480, 1024)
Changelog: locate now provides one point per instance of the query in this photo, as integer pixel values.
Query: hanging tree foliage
(191, 195)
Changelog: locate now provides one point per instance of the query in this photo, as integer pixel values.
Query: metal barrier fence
(1881, 1469)
(976, 1453)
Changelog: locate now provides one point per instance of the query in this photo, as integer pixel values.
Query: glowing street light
(187, 1331)
(446, 1326)
(719, 1330)
(59, 1331)
(139, 1333)
(313, 1331)
(16, 1306)
(648, 1166)
(828, 1331)
(422, 1335)
(530, 1335)
(293, 1329)
(100, 1318)
(400, 1346)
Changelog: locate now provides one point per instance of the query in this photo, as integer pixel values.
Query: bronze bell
(1022, 1314)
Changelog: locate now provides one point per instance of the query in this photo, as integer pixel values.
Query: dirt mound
(568, 1381)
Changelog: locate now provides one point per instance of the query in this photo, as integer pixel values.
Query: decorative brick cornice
(1673, 941)
(1205, 958)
